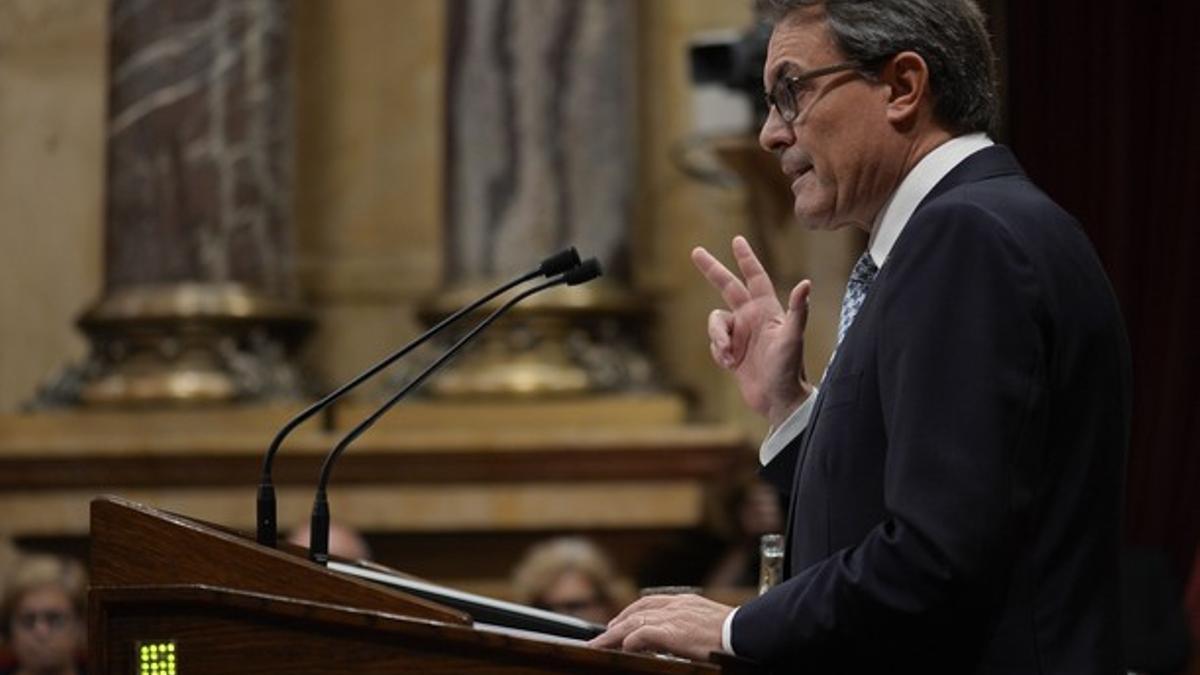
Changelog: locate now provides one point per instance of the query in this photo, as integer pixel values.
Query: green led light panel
(156, 657)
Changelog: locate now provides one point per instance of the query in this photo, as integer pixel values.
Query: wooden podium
(175, 595)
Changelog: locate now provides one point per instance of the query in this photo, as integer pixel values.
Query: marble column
(541, 154)
(199, 298)
(199, 144)
(541, 132)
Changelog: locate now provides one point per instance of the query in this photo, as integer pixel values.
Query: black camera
(734, 62)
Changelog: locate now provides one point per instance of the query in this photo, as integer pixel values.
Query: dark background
(1103, 112)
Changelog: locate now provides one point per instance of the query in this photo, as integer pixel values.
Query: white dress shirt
(886, 229)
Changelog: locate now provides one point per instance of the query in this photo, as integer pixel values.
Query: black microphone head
(560, 262)
(588, 270)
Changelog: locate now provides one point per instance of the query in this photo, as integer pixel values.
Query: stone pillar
(199, 145)
(199, 284)
(541, 154)
(541, 132)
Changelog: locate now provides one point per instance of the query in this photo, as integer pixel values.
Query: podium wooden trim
(233, 606)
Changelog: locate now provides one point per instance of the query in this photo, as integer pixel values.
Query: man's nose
(775, 134)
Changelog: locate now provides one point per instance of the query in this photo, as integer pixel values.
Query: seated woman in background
(572, 576)
(42, 621)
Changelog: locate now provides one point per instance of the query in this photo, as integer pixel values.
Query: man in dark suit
(956, 477)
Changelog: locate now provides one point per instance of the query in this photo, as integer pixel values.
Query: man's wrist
(776, 415)
(727, 633)
(783, 433)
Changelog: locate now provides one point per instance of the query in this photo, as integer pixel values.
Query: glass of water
(770, 568)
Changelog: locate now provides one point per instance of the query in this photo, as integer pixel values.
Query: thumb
(797, 311)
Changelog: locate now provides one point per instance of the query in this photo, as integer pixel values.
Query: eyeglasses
(54, 620)
(788, 90)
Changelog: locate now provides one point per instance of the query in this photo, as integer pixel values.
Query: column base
(186, 344)
(567, 341)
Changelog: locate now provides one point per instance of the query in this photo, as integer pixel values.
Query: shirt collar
(928, 172)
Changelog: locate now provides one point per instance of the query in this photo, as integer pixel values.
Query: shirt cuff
(792, 427)
(727, 633)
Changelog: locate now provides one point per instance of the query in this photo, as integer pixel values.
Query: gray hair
(951, 36)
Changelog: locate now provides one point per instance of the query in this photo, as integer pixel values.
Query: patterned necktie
(856, 291)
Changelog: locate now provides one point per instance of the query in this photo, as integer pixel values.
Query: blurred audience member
(344, 542)
(724, 553)
(43, 607)
(572, 576)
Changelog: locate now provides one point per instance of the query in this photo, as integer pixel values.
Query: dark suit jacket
(956, 496)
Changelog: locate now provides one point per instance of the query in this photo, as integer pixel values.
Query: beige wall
(52, 93)
(369, 89)
(676, 213)
(369, 121)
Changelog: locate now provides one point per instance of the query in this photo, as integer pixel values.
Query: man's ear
(907, 76)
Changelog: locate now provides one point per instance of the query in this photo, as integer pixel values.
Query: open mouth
(798, 176)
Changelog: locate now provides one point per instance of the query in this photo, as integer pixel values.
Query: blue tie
(856, 291)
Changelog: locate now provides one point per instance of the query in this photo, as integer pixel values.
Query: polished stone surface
(541, 133)
(199, 138)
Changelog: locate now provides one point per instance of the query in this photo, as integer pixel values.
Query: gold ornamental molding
(568, 341)
(183, 344)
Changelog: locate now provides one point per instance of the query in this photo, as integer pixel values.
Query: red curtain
(1104, 113)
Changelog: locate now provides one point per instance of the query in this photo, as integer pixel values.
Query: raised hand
(756, 338)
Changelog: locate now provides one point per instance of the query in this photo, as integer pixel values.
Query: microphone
(319, 529)
(560, 263)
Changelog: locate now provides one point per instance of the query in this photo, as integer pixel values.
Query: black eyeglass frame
(783, 96)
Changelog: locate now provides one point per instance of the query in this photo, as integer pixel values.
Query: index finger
(758, 282)
(609, 639)
(619, 627)
(732, 290)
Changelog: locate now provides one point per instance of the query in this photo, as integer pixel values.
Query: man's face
(45, 630)
(840, 153)
(573, 593)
